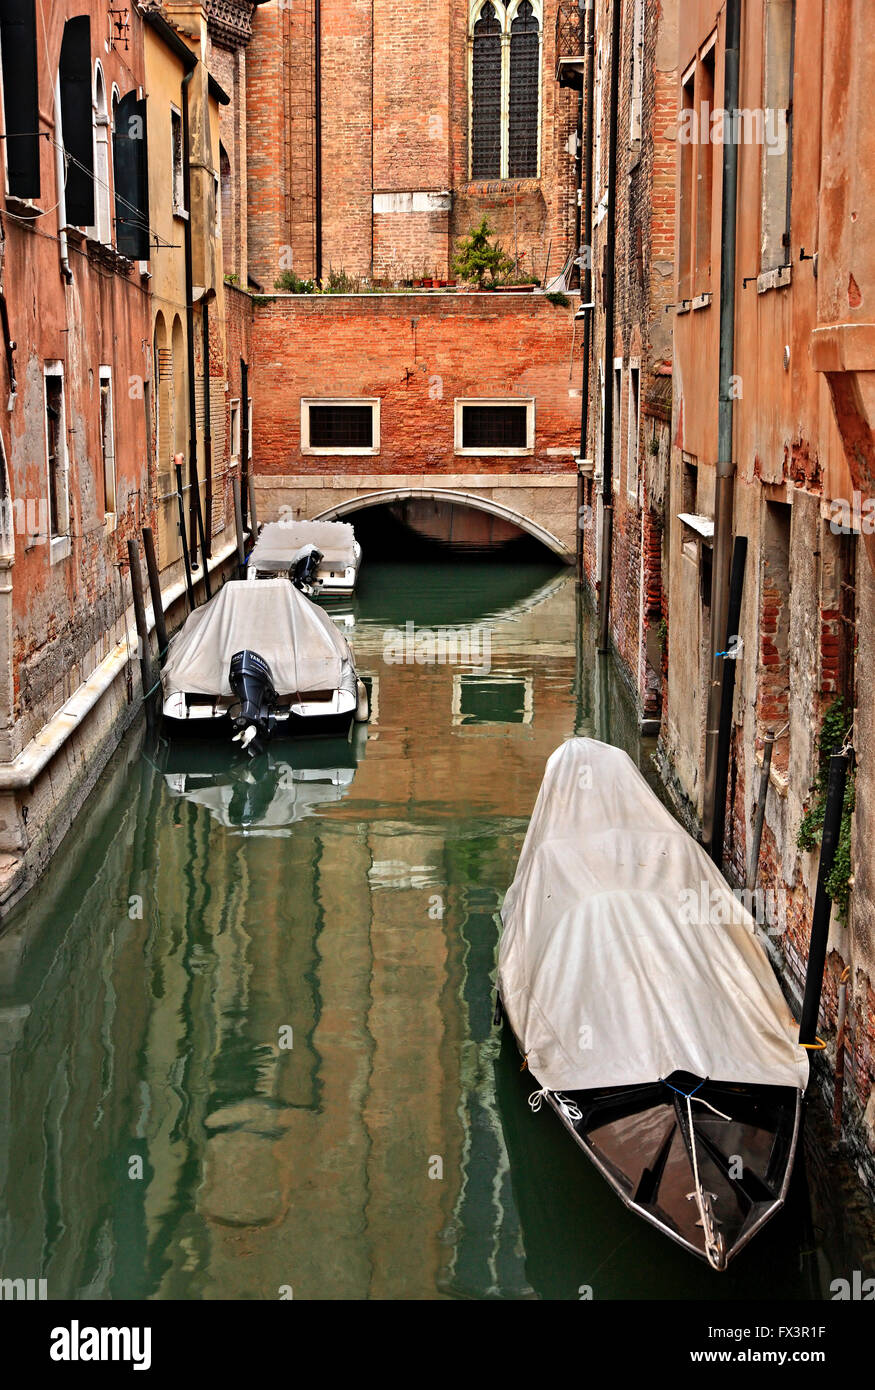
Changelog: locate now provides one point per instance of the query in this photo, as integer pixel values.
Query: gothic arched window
(505, 89)
(486, 96)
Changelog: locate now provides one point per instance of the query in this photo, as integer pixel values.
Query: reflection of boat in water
(269, 793)
(657, 1032)
(323, 555)
(263, 657)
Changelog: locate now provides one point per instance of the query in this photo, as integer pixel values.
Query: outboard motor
(252, 683)
(306, 568)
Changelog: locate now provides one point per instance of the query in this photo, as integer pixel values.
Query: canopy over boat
(625, 956)
(304, 649)
(281, 542)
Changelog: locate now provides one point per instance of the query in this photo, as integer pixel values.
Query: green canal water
(246, 1038)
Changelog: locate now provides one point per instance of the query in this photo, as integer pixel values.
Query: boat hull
(642, 1142)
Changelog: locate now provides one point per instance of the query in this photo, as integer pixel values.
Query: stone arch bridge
(543, 506)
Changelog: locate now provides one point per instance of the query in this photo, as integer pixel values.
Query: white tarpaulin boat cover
(625, 955)
(280, 542)
(299, 642)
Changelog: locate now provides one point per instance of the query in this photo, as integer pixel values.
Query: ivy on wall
(834, 729)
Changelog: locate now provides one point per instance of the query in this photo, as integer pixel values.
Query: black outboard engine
(252, 683)
(305, 571)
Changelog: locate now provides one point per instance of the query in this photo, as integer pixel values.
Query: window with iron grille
(486, 96)
(505, 89)
(340, 427)
(525, 53)
(494, 426)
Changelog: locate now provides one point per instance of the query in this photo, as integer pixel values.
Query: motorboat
(260, 658)
(322, 557)
(646, 1010)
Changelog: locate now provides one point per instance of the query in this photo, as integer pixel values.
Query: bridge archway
(385, 497)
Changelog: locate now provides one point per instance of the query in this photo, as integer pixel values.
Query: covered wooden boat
(323, 556)
(646, 1009)
(262, 657)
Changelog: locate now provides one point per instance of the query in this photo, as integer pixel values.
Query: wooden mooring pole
(155, 592)
(142, 630)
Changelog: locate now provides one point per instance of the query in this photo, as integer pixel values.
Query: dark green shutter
(20, 96)
(131, 173)
(76, 117)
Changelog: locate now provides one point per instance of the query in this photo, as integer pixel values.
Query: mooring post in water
(177, 463)
(142, 628)
(204, 552)
(155, 592)
(753, 864)
(238, 523)
(840, 1053)
(832, 820)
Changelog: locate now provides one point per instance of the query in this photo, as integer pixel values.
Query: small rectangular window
(56, 451)
(235, 430)
(632, 454)
(495, 427)
(107, 439)
(178, 167)
(249, 436)
(340, 427)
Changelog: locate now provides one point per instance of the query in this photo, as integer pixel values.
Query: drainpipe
(725, 469)
(610, 289)
(586, 278)
(194, 488)
(244, 438)
(317, 98)
(61, 180)
(208, 432)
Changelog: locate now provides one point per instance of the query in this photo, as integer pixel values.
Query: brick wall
(394, 119)
(417, 353)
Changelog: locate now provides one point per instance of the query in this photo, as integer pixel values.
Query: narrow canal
(246, 1040)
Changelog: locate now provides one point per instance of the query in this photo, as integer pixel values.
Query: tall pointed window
(505, 89)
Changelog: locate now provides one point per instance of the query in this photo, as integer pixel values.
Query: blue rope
(679, 1092)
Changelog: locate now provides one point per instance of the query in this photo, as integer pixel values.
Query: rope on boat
(714, 1249)
(568, 1108)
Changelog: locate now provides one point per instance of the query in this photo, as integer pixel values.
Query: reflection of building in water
(145, 1013)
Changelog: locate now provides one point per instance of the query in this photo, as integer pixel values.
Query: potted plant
(479, 262)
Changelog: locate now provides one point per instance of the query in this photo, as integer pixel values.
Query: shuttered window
(20, 97)
(76, 118)
(131, 176)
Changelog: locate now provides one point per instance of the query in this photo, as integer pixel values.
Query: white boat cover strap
(297, 639)
(625, 955)
(280, 542)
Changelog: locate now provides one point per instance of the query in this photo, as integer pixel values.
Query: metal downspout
(586, 278)
(610, 290)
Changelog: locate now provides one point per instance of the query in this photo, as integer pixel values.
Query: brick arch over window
(504, 89)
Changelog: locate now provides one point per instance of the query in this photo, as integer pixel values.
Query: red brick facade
(417, 354)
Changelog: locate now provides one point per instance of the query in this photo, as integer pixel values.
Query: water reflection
(245, 1021)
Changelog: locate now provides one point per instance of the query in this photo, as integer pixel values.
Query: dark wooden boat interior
(640, 1139)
